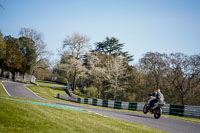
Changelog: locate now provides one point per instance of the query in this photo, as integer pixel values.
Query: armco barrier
(132, 106)
(79, 100)
(99, 102)
(85, 101)
(111, 103)
(140, 106)
(117, 105)
(90, 101)
(125, 105)
(105, 103)
(82, 100)
(180, 110)
(176, 110)
(94, 102)
(193, 111)
(166, 109)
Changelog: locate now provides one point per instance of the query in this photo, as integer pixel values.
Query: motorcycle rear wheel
(145, 108)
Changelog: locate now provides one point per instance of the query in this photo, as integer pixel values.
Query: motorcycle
(156, 109)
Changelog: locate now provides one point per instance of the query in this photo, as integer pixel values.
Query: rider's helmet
(157, 90)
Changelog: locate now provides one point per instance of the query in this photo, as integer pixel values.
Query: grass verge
(18, 117)
(2, 91)
(47, 92)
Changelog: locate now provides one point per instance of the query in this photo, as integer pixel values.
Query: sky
(164, 26)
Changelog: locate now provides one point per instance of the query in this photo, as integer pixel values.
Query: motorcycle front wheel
(157, 113)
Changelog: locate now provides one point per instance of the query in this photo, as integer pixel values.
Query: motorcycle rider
(158, 97)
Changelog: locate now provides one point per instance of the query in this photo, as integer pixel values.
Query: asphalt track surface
(165, 124)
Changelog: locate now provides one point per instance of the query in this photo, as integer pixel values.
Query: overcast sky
(163, 26)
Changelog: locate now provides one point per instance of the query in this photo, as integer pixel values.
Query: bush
(91, 92)
(78, 93)
(61, 79)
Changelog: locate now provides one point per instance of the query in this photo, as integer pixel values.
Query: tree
(112, 47)
(72, 68)
(184, 73)
(156, 64)
(15, 51)
(109, 76)
(115, 74)
(28, 49)
(43, 72)
(2, 53)
(76, 44)
(15, 61)
(37, 38)
(105, 66)
(96, 72)
(42, 54)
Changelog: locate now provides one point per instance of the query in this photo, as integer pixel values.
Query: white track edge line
(5, 89)
(31, 91)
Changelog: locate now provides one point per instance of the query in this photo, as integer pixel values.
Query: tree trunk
(182, 99)
(115, 94)
(2, 70)
(182, 96)
(156, 81)
(13, 75)
(23, 76)
(74, 81)
(116, 86)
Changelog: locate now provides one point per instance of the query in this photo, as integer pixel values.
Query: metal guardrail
(171, 109)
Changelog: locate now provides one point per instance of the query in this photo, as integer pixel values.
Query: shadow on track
(140, 116)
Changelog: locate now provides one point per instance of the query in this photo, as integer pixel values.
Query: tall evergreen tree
(112, 47)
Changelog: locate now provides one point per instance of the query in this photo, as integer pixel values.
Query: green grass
(18, 117)
(49, 83)
(47, 92)
(50, 93)
(2, 92)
